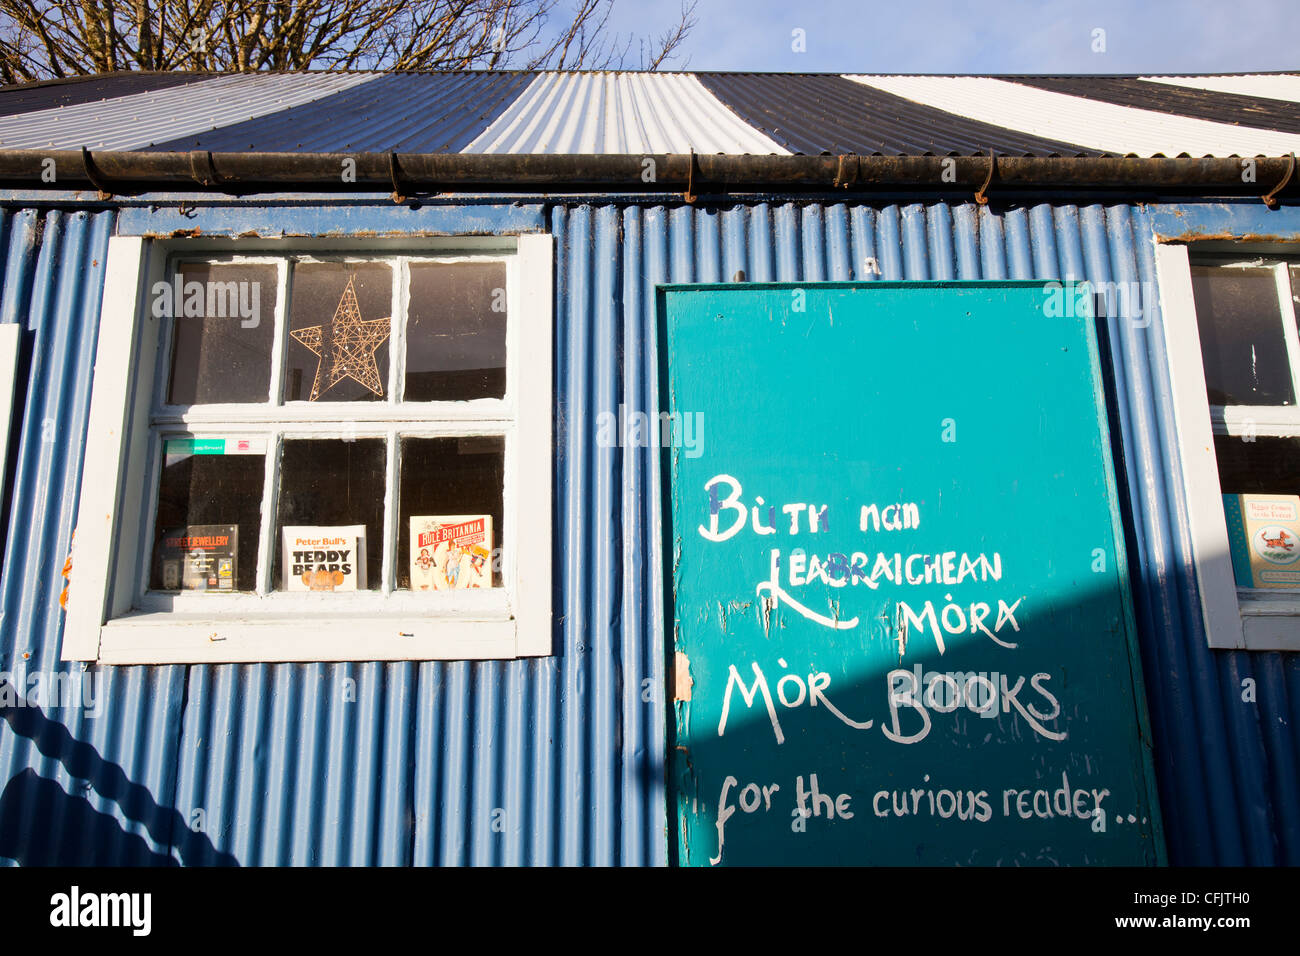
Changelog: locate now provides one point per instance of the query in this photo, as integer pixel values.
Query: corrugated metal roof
(814, 114)
(1217, 106)
(619, 113)
(1273, 86)
(1115, 129)
(415, 113)
(51, 94)
(137, 120)
(637, 113)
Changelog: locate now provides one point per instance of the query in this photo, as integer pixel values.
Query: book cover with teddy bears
(325, 558)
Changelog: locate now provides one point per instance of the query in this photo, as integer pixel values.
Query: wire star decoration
(351, 345)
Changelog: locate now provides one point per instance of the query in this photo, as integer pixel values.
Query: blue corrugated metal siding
(64, 778)
(545, 761)
(560, 760)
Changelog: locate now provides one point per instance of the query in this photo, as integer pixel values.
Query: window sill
(167, 638)
(477, 604)
(1270, 620)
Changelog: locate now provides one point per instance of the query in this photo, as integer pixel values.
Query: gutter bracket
(689, 196)
(202, 171)
(1270, 197)
(393, 174)
(88, 163)
(981, 195)
(843, 179)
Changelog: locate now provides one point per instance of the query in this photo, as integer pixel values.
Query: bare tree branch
(44, 39)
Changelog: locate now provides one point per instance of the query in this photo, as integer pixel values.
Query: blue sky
(1010, 36)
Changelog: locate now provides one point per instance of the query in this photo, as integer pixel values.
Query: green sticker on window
(196, 446)
(180, 447)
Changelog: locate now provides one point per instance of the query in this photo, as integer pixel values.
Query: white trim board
(1207, 525)
(10, 339)
(97, 513)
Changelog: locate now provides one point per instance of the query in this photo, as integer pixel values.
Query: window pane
(1260, 480)
(456, 332)
(340, 318)
(1264, 466)
(209, 515)
(328, 486)
(450, 492)
(1294, 271)
(1241, 336)
(223, 325)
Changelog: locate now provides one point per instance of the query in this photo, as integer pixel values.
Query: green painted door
(902, 622)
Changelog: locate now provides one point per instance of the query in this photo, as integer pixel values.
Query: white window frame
(1235, 618)
(10, 337)
(113, 618)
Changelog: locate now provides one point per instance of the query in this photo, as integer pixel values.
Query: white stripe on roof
(1285, 86)
(619, 113)
(142, 119)
(1084, 122)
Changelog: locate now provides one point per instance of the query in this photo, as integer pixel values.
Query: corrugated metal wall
(543, 761)
(560, 760)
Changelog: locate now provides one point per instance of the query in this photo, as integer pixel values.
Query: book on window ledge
(325, 558)
(200, 557)
(451, 552)
(1264, 538)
